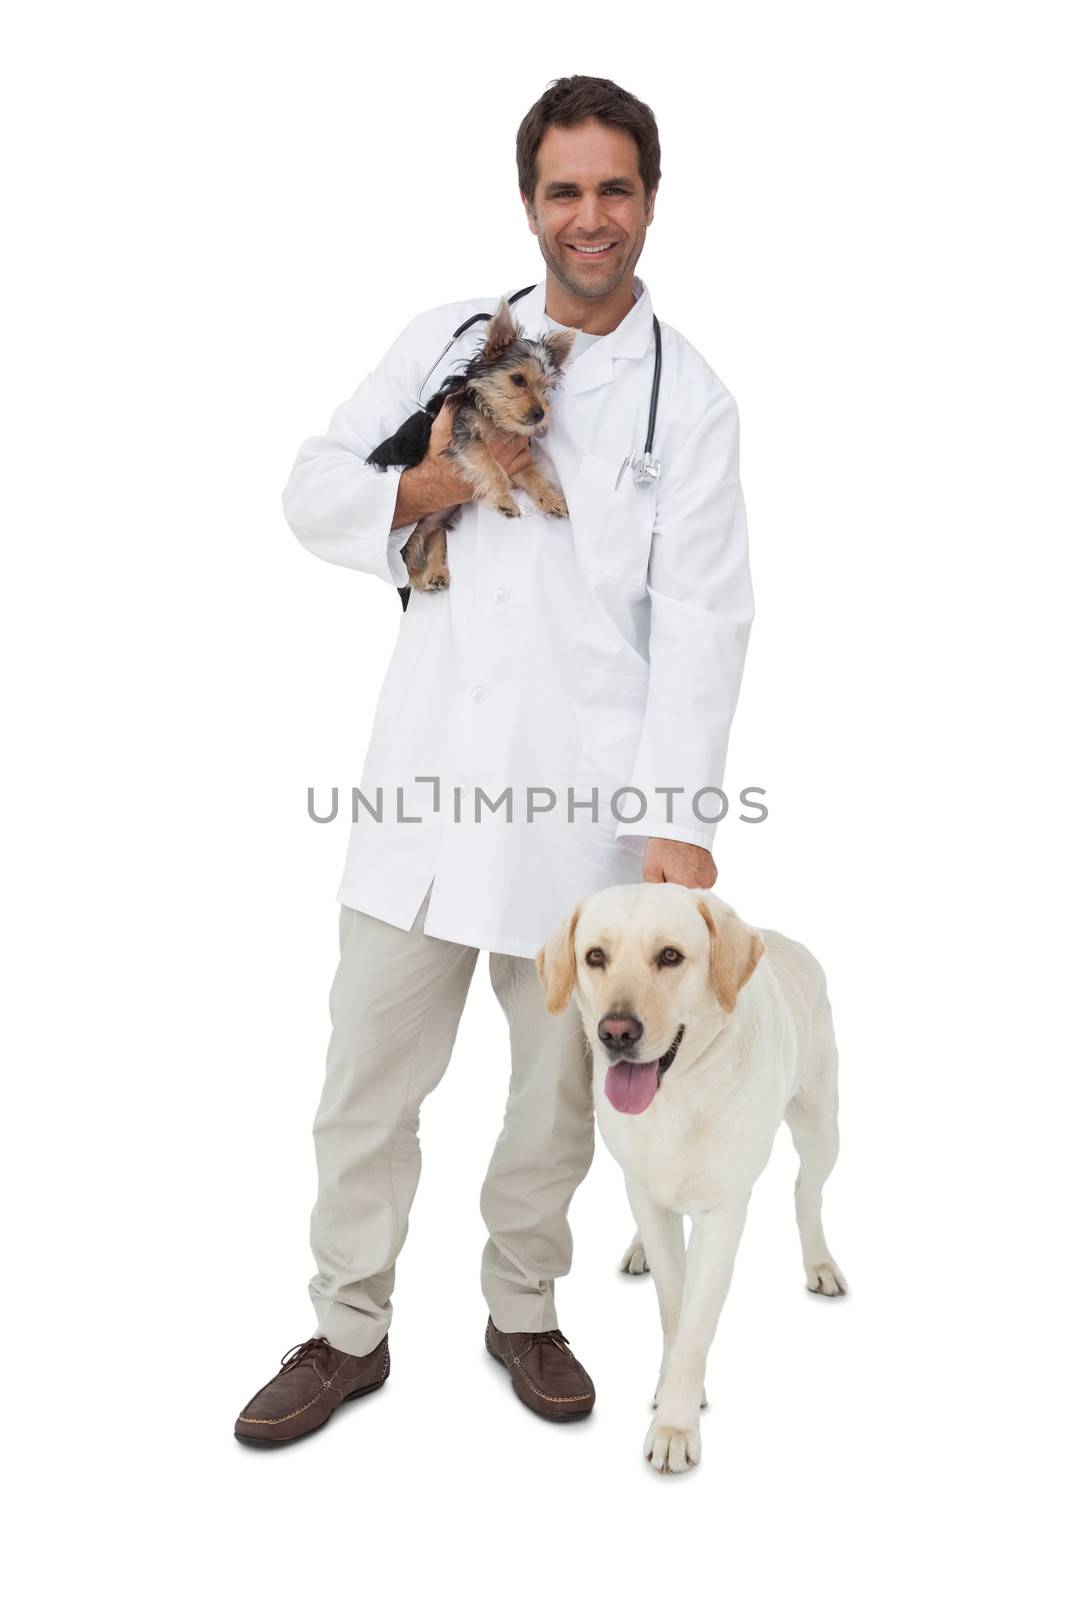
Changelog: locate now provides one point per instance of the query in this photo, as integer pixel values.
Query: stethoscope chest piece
(645, 468)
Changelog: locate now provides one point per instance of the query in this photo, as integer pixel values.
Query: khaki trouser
(395, 1005)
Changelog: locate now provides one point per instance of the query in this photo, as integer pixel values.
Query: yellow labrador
(705, 1033)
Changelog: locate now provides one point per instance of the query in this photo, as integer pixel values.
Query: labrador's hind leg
(812, 1119)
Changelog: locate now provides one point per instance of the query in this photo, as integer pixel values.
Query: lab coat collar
(595, 365)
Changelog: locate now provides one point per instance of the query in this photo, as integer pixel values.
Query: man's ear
(556, 965)
(735, 952)
(500, 332)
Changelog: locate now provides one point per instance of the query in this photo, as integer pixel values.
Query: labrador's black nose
(537, 414)
(619, 1031)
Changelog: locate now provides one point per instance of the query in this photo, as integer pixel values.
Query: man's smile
(593, 250)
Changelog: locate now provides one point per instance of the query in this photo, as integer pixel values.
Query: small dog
(705, 1033)
(504, 389)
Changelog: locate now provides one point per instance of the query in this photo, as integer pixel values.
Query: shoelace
(301, 1352)
(551, 1336)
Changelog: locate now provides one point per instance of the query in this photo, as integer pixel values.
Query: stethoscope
(645, 466)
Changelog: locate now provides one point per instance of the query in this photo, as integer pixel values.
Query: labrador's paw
(634, 1261)
(672, 1449)
(825, 1277)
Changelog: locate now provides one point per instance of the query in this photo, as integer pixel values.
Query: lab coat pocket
(612, 527)
(610, 708)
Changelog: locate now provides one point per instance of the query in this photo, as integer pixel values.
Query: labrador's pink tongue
(630, 1085)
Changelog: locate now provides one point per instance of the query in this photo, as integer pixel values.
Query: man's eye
(594, 957)
(518, 380)
(669, 957)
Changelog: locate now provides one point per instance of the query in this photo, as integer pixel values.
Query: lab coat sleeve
(700, 591)
(340, 508)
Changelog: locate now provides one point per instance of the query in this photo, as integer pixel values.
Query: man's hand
(435, 482)
(668, 861)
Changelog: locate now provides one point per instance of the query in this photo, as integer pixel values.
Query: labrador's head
(656, 970)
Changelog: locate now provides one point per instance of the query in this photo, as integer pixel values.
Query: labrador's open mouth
(631, 1085)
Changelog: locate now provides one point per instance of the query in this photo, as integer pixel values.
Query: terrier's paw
(634, 1261)
(507, 507)
(672, 1449)
(427, 579)
(552, 503)
(825, 1277)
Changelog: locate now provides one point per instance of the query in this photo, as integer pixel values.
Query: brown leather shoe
(543, 1372)
(313, 1381)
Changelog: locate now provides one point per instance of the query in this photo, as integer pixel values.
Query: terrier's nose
(619, 1031)
(537, 414)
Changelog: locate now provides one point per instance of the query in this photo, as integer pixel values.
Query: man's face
(589, 193)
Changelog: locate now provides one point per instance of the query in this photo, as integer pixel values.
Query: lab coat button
(500, 597)
(478, 693)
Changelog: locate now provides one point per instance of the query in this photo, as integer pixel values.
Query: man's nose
(619, 1030)
(589, 214)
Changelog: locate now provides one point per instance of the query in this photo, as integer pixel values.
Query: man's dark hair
(568, 101)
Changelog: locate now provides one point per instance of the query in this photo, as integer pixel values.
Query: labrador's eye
(518, 380)
(669, 957)
(595, 957)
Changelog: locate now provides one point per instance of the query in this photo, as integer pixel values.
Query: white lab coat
(596, 651)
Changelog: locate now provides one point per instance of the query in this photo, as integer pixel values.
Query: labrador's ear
(555, 963)
(735, 952)
(500, 332)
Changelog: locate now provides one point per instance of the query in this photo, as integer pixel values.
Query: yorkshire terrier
(504, 389)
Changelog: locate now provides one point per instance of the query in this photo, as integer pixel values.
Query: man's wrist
(423, 489)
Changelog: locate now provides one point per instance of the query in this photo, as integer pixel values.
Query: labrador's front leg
(672, 1443)
(663, 1243)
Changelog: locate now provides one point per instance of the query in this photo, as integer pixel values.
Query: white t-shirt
(582, 341)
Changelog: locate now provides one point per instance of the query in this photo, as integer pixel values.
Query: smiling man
(552, 723)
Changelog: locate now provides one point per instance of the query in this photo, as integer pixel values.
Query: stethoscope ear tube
(479, 316)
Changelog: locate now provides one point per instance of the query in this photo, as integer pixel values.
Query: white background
(220, 217)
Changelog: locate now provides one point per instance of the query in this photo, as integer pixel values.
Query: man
(569, 659)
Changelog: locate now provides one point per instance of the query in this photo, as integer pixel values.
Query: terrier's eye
(595, 957)
(669, 957)
(518, 380)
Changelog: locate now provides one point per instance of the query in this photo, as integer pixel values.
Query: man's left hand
(668, 861)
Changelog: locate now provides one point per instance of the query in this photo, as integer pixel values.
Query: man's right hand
(435, 482)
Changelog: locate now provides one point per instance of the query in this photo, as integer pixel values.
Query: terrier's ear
(556, 965)
(559, 343)
(500, 332)
(735, 952)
